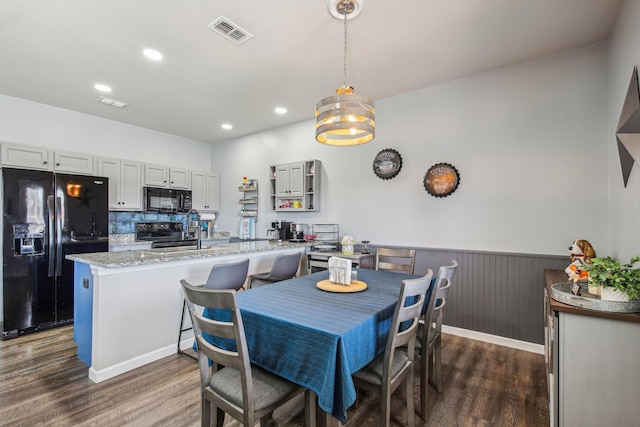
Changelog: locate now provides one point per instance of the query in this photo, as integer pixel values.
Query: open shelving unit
(249, 199)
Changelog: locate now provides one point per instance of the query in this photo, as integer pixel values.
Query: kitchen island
(128, 304)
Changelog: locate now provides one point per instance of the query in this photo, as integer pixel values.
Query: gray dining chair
(284, 267)
(395, 366)
(229, 383)
(429, 342)
(400, 260)
(222, 276)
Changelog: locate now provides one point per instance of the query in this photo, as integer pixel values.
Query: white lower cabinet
(594, 380)
(204, 186)
(125, 183)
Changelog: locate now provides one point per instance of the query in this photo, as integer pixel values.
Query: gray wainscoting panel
(495, 293)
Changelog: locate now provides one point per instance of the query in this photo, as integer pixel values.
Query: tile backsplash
(125, 222)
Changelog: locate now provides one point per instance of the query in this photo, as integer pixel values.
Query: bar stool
(222, 276)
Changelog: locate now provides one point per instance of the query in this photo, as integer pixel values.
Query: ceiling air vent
(229, 31)
(112, 102)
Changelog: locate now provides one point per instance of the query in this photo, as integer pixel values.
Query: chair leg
(205, 409)
(411, 416)
(424, 385)
(438, 365)
(385, 407)
(183, 329)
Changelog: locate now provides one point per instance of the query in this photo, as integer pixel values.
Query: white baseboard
(494, 339)
(98, 375)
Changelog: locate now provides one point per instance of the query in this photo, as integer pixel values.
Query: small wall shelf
(249, 199)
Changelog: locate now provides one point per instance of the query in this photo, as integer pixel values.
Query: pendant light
(345, 118)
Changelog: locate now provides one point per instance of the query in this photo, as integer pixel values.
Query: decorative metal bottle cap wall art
(387, 164)
(441, 180)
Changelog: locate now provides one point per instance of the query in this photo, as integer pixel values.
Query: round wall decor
(387, 164)
(441, 180)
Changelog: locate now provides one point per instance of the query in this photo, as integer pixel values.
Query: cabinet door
(296, 180)
(73, 163)
(282, 181)
(156, 176)
(111, 169)
(198, 190)
(180, 178)
(131, 185)
(23, 156)
(212, 192)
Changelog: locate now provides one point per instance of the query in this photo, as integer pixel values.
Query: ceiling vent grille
(112, 102)
(230, 31)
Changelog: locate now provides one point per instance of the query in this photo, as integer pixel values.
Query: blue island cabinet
(83, 310)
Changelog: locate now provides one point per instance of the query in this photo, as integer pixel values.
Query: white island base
(127, 316)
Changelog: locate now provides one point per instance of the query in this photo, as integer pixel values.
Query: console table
(592, 363)
(320, 259)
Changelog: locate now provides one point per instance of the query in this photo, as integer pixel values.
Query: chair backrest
(285, 266)
(406, 318)
(437, 301)
(401, 260)
(228, 276)
(225, 301)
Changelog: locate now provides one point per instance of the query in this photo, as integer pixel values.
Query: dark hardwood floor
(43, 383)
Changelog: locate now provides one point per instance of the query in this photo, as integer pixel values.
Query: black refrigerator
(46, 216)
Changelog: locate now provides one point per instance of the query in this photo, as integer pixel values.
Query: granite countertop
(129, 239)
(152, 256)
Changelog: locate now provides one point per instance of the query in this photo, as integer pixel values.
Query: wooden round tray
(326, 285)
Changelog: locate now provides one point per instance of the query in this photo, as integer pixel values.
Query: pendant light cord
(345, 11)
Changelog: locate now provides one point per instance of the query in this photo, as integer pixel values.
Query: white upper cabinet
(73, 163)
(125, 183)
(180, 178)
(24, 156)
(156, 176)
(295, 186)
(163, 176)
(31, 157)
(204, 186)
(290, 180)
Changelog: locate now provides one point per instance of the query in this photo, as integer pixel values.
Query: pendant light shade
(345, 118)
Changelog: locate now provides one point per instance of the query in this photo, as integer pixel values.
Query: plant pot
(348, 249)
(595, 290)
(610, 294)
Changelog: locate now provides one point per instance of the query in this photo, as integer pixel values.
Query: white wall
(527, 139)
(624, 203)
(26, 122)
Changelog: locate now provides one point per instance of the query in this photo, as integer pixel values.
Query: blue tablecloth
(319, 339)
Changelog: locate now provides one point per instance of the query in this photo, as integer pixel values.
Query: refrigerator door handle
(58, 236)
(51, 230)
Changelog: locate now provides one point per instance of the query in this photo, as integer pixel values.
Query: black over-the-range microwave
(166, 200)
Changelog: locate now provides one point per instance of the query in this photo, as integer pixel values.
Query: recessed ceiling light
(102, 87)
(227, 126)
(281, 110)
(152, 54)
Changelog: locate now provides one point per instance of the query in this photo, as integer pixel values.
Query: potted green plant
(619, 282)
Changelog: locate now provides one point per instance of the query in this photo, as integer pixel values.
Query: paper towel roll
(207, 217)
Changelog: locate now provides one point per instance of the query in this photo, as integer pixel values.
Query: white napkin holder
(340, 270)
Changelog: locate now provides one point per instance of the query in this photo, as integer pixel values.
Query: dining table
(318, 338)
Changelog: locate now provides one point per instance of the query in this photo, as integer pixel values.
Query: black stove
(163, 234)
